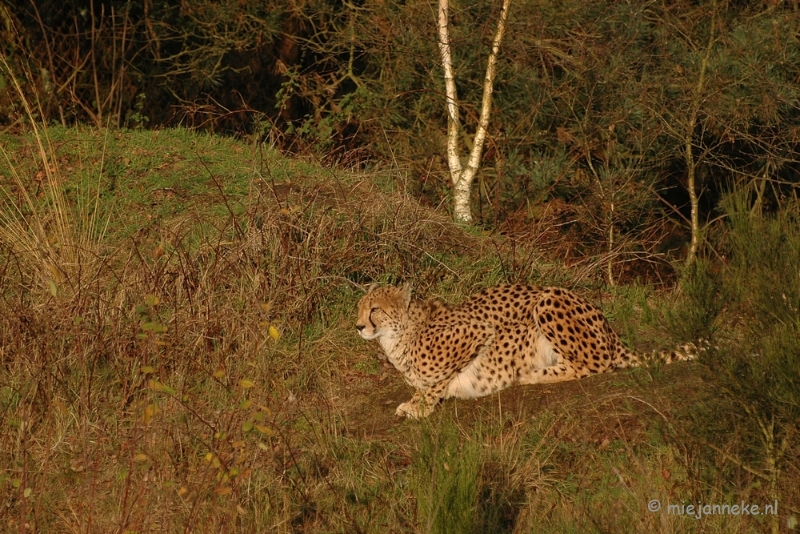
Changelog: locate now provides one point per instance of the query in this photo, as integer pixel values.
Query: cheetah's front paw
(409, 409)
(414, 409)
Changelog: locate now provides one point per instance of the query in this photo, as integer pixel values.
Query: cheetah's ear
(405, 295)
(371, 287)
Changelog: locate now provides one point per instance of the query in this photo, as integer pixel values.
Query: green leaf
(155, 385)
(265, 430)
(246, 383)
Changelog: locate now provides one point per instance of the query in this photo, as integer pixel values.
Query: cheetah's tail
(683, 352)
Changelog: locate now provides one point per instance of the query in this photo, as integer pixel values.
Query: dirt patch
(608, 406)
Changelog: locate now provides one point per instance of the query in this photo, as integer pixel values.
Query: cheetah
(503, 336)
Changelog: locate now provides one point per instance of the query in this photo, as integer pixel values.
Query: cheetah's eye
(373, 310)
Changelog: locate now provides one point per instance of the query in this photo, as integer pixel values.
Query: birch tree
(462, 176)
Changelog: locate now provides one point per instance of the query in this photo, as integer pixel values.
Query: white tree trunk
(453, 123)
(462, 178)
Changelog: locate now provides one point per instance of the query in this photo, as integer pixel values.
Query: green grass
(197, 368)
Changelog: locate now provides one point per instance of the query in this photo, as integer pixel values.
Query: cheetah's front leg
(409, 409)
(423, 402)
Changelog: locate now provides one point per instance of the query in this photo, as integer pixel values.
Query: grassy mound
(178, 353)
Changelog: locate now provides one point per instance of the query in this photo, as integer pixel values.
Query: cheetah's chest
(440, 349)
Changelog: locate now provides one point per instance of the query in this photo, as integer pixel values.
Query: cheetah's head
(380, 309)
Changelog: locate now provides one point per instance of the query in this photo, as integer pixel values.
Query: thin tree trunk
(610, 264)
(453, 122)
(462, 177)
(691, 165)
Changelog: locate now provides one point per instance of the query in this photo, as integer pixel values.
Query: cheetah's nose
(360, 327)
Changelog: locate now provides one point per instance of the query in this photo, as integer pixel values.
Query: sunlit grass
(203, 373)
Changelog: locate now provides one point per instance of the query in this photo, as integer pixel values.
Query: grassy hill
(178, 354)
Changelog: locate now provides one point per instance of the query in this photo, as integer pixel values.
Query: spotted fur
(505, 335)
